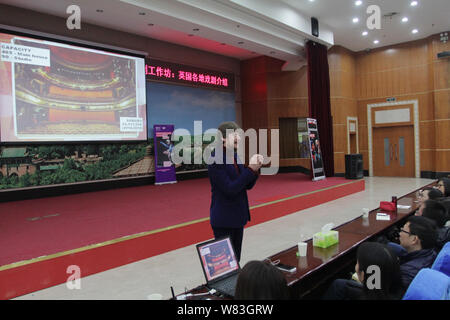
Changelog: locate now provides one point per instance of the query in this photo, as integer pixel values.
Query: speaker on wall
(443, 54)
(315, 27)
(354, 166)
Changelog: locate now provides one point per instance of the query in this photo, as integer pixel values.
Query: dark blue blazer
(229, 202)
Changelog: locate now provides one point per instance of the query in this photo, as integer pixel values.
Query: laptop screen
(217, 258)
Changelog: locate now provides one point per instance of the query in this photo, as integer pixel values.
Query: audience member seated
(369, 287)
(438, 213)
(444, 186)
(418, 237)
(261, 281)
(430, 193)
(446, 203)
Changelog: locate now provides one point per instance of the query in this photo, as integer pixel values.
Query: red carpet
(53, 226)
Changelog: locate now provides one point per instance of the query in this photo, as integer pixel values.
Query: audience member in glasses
(418, 237)
(429, 193)
(373, 284)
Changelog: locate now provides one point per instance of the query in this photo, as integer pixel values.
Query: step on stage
(97, 231)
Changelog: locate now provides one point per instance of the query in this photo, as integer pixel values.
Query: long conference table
(315, 271)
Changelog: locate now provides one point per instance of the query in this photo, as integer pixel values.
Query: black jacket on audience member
(413, 262)
(443, 237)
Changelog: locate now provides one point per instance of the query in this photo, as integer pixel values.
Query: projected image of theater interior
(81, 93)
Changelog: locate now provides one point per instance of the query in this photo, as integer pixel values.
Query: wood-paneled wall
(410, 71)
(342, 65)
(269, 94)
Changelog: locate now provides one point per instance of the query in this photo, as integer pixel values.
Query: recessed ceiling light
(311, 0)
(405, 19)
(355, 20)
(196, 29)
(365, 33)
(358, 3)
(414, 3)
(376, 42)
(415, 31)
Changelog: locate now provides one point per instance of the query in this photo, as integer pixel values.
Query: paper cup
(155, 296)
(366, 213)
(302, 249)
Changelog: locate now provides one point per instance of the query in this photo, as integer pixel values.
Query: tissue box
(325, 254)
(325, 239)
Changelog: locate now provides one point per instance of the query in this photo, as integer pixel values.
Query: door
(393, 151)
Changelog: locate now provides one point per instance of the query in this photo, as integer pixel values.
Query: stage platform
(97, 231)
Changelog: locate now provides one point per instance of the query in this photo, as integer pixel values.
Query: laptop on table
(219, 265)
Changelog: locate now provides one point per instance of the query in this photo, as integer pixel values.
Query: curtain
(288, 138)
(319, 100)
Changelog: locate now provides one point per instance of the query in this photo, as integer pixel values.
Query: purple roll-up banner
(164, 167)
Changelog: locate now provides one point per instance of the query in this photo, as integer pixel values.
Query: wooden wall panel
(365, 155)
(363, 142)
(339, 162)
(442, 161)
(394, 82)
(426, 106)
(441, 74)
(427, 160)
(286, 108)
(348, 84)
(289, 84)
(442, 104)
(443, 134)
(343, 101)
(341, 108)
(427, 135)
(254, 115)
(340, 137)
(305, 163)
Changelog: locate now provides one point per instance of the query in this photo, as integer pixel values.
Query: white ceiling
(276, 28)
(428, 17)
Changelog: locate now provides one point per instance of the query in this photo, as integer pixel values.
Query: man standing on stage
(229, 211)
